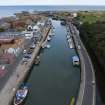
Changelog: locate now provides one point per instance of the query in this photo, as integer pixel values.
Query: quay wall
(82, 79)
(82, 66)
(75, 36)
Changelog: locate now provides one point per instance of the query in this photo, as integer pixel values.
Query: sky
(52, 2)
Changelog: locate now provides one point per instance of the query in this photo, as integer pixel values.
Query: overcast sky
(52, 2)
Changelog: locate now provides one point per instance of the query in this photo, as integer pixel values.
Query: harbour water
(55, 81)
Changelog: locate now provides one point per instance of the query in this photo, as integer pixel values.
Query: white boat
(71, 45)
(48, 46)
(20, 95)
(70, 40)
(68, 36)
(44, 44)
(53, 33)
(48, 38)
(37, 60)
(75, 60)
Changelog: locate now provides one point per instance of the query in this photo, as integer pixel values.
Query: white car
(24, 51)
(32, 46)
(93, 82)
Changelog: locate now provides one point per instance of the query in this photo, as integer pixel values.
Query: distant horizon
(6, 11)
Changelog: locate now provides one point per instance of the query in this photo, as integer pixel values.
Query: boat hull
(21, 99)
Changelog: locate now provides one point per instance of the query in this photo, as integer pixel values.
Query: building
(6, 39)
(18, 24)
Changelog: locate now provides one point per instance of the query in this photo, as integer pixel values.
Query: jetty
(22, 70)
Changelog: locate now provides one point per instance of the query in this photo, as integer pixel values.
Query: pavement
(87, 92)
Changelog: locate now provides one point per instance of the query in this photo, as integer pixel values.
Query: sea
(10, 10)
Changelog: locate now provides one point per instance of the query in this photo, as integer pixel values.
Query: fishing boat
(20, 95)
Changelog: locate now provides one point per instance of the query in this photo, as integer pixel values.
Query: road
(88, 89)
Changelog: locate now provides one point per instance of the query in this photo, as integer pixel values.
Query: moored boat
(48, 38)
(48, 46)
(37, 60)
(20, 95)
(76, 61)
(68, 36)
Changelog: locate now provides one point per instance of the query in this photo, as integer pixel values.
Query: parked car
(29, 51)
(28, 56)
(32, 46)
(24, 51)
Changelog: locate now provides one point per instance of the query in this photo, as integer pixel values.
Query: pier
(18, 76)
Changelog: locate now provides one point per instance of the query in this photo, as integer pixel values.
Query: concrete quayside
(18, 76)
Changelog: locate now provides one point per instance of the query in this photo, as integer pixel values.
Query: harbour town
(43, 61)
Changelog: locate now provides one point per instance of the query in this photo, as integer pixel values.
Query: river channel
(55, 81)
